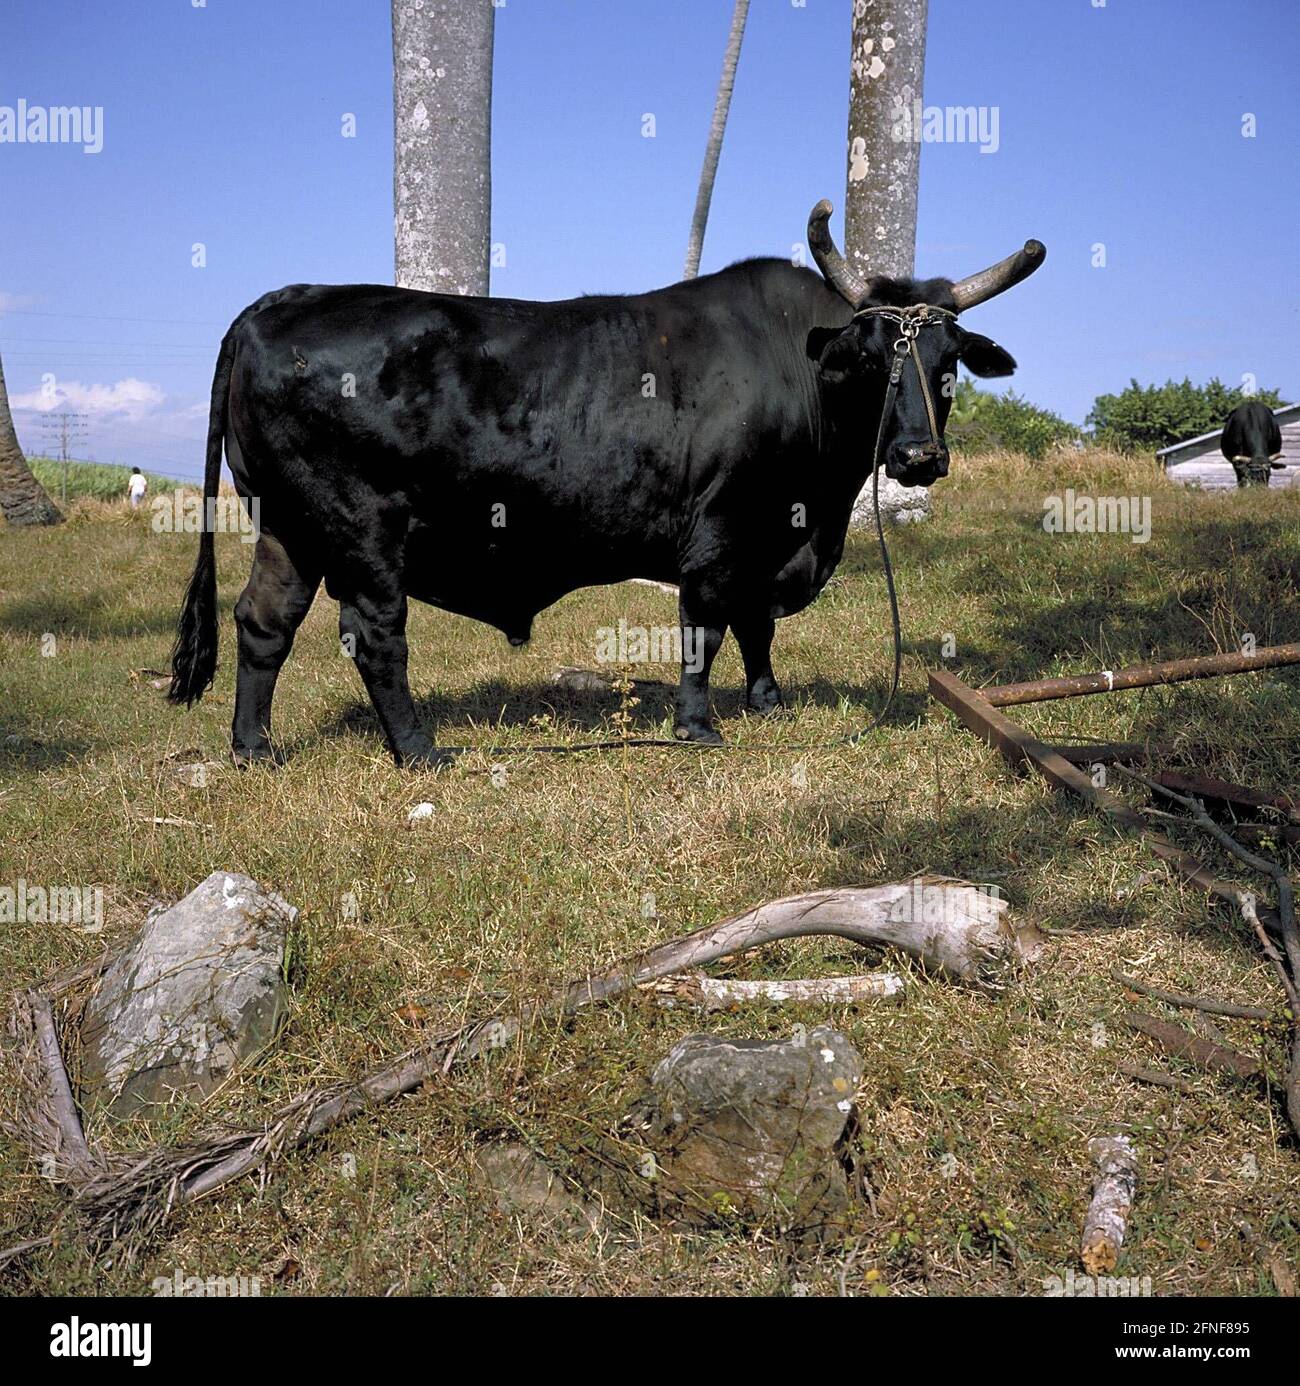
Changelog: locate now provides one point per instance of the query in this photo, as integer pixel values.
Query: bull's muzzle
(917, 464)
(1253, 472)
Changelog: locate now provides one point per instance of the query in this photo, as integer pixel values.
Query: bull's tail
(194, 655)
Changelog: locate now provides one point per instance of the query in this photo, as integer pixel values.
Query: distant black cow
(490, 455)
(1252, 442)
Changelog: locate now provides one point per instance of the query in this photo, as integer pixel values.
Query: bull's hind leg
(373, 630)
(268, 614)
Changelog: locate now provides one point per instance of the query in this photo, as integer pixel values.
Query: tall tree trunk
(442, 127)
(887, 72)
(22, 498)
(886, 75)
(713, 150)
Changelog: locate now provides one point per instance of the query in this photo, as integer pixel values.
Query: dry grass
(518, 884)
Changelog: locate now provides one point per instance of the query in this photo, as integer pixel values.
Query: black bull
(1252, 442)
(489, 456)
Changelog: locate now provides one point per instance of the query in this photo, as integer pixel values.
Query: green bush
(983, 422)
(1147, 417)
(100, 480)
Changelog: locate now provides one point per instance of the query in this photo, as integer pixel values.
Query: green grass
(102, 481)
(513, 887)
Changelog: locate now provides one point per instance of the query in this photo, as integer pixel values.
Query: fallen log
(1113, 1191)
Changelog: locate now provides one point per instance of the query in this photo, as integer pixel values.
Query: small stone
(525, 1185)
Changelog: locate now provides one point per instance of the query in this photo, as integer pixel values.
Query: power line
(108, 342)
(110, 317)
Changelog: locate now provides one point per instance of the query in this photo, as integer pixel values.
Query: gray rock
(898, 504)
(525, 1185)
(198, 992)
(752, 1129)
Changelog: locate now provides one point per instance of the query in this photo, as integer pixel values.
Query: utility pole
(63, 428)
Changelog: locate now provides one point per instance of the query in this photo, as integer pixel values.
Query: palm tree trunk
(713, 150)
(886, 74)
(442, 128)
(22, 498)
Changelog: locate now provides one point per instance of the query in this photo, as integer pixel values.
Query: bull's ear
(837, 352)
(982, 356)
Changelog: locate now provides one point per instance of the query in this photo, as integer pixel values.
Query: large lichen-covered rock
(899, 504)
(753, 1130)
(198, 992)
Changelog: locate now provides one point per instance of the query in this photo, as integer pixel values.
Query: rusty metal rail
(1141, 676)
(975, 711)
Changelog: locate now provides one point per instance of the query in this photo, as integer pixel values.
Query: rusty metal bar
(1016, 744)
(1238, 795)
(1111, 752)
(1141, 676)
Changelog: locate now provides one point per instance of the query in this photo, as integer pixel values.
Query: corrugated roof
(1286, 409)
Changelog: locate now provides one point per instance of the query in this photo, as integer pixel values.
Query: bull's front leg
(754, 635)
(703, 628)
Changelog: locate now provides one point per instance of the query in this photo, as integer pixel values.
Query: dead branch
(1153, 1076)
(1182, 1044)
(1285, 892)
(1113, 1191)
(1197, 1003)
(46, 1123)
(1289, 972)
(718, 993)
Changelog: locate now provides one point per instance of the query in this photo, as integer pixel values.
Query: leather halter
(910, 321)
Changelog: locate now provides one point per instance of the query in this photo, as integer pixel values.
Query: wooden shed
(1198, 461)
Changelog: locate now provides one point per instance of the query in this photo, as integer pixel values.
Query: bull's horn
(829, 260)
(999, 277)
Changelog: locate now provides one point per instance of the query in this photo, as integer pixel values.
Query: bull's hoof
(429, 759)
(244, 756)
(700, 735)
(764, 700)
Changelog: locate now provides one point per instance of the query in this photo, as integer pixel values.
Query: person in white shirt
(136, 487)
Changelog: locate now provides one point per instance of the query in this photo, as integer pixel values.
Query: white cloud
(11, 303)
(130, 398)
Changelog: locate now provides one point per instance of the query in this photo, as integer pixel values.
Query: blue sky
(1119, 124)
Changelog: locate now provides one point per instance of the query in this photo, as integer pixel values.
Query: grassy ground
(105, 481)
(516, 884)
